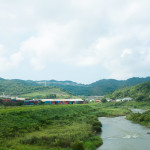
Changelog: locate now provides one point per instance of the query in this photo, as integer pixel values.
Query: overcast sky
(79, 40)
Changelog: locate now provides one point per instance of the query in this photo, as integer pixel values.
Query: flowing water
(121, 134)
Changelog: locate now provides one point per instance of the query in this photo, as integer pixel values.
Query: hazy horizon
(72, 80)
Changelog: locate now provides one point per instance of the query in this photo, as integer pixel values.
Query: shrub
(78, 145)
(89, 146)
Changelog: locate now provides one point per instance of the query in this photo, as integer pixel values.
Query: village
(25, 101)
(7, 100)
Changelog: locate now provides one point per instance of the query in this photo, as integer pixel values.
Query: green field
(53, 126)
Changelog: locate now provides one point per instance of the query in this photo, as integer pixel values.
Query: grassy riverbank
(53, 126)
(126, 104)
(143, 119)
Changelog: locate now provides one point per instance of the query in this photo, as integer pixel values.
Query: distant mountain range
(99, 88)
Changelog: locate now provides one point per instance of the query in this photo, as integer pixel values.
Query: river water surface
(121, 134)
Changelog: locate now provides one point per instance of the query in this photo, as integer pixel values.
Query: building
(98, 100)
(62, 101)
(20, 99)
(124, 99)
(127, 99)
(31, 102)
(44, 101)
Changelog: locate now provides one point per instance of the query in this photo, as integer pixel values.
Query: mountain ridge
(99, 88)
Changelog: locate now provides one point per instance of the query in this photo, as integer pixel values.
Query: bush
(96, 140)
(89, 146)
(77, 145)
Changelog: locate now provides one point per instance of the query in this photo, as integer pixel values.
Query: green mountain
(140, 92)
(30, 89)
(99, 88)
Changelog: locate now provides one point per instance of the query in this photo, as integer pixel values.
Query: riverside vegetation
(53, 126)
(143, 119)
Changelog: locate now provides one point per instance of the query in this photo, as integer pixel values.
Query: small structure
(6, 100)
(108, 99)
(124, 99)
(20, 99)
(127, 99)
(98, 101)
(118, 100)
(31, 102)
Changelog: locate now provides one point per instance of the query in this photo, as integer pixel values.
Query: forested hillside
(140, 92)
(101, 87)
(30, 89)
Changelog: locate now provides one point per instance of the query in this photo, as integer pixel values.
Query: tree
(104, 100)
(139, 98)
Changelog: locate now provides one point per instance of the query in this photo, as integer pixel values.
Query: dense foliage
(101, 87)
(139, 92)
(30, 89)
(143, 118)
(49, 126)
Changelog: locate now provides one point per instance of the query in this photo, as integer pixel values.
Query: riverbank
(141, 118)
(53, 126)
(56, 126)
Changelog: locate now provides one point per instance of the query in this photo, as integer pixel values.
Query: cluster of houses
(24, 101)
(44, 101)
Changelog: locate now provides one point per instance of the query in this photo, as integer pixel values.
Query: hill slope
(51, 92)
(30, 89)
(106, 86)
(101, 87)
(138, 92)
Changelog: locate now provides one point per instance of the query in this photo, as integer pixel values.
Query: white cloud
(113, 34)
(52, 43)
(9, 62)
(126, 53)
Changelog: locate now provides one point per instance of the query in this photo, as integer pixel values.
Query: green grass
(56, 127)
(50, 126)
(44, 93)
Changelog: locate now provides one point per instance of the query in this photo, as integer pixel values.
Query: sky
(79, 40)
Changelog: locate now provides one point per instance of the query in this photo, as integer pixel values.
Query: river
(121, 134)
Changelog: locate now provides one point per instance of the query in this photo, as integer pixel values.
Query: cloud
(53, 42)
(126, 53)
(9, 62)
(110, 34)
